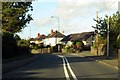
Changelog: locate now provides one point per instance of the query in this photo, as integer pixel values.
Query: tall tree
(15, 16)
(114, 31)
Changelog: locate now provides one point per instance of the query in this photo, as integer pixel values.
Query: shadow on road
(33, 70)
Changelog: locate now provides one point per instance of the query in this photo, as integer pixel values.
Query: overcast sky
(75, 16)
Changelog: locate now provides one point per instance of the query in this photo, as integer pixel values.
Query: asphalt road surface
(62, 67)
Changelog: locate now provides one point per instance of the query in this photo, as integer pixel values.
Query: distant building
(53, 38)
(38, 40)
(86, 37)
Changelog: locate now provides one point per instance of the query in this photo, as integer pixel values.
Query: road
(62, 67)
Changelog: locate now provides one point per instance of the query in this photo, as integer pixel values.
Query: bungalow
(53, 38)
(86, 37)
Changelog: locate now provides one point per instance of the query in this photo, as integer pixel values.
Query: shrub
(23, 43)
(118, 42)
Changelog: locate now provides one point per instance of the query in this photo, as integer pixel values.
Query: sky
(75, 16)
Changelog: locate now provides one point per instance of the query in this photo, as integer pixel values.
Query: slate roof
(56, 34)
(77, 36)
(40, 38)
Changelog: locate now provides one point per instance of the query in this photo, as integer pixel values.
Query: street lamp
(58, 30)
(58, 21)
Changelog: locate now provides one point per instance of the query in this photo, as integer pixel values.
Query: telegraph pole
(97, 32)
(108, 37)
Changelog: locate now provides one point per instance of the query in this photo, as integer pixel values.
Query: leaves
(114, 25)
(15, 16)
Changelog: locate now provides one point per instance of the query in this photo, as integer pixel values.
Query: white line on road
(69, 68)
(108, 64)
(65, 70)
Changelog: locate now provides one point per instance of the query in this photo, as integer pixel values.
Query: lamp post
(58, 21)
(58, 30)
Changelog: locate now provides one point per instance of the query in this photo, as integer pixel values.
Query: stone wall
(101, 50)
(44, 50)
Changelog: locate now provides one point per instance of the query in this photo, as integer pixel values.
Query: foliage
(23, 43)
(8, 44)
(114, 29)
(68, 49)
(102, 40)
(78, 44)
(118, 42)
(94, 45)
(75, 47)
(114, 23)
(15, 16)
(12, 45)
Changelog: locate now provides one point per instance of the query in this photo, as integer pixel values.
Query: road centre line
(65, 70)
(69, 68)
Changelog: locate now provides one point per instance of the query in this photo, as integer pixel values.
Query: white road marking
(69, 68)
(108, 64)
(65, 70)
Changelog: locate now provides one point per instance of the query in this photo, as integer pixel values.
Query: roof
(78, 36)
(40, 38)
(56, 34)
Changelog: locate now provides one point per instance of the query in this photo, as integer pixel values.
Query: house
(86, 37)
(38, 40)
(53, 38)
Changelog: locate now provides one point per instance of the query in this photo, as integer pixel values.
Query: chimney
(52, 32)
(38, 35)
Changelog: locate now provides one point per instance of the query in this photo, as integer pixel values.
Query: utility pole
(108, 37)
(97, 32)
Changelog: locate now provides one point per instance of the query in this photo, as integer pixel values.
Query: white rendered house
(53, 38)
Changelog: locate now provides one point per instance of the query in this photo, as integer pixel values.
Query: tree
(114, 24)
(15, 16)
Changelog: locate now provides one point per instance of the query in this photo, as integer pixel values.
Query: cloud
(42, 22)
(74, 14)
(72, 8)
(70, 11)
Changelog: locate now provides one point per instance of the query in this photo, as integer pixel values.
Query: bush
(23, 46)
(118, 42)
(12, 45)
(8, 45)
(23, 43)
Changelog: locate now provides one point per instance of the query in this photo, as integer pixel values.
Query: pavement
(102, 59)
